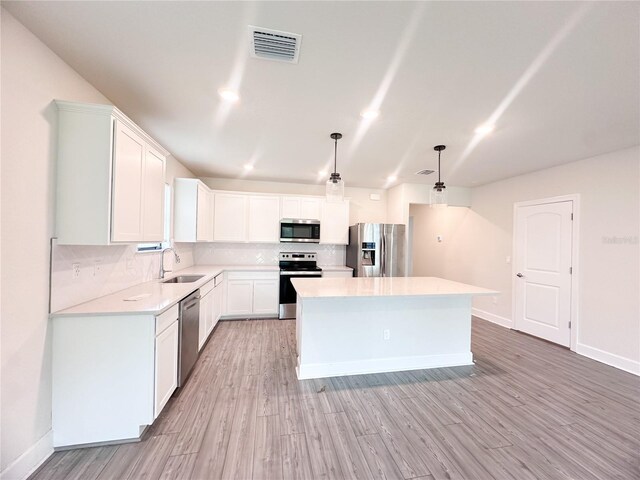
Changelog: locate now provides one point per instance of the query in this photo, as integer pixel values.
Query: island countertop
(383, 287)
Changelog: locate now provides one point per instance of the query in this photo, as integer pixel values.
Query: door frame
(575, 243)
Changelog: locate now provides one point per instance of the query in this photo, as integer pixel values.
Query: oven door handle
(307, 274)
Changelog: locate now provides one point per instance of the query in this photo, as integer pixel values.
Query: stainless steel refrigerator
(376, 250)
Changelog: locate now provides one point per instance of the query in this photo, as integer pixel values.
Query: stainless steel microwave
(299, 230)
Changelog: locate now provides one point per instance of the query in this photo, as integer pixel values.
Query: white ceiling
(560, 78)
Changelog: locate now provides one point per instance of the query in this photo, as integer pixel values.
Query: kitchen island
(350, 326)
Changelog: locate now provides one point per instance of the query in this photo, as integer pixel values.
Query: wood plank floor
(526, 410)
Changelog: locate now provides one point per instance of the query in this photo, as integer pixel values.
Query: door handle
(519, 275)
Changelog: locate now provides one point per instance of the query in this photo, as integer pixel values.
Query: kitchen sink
(184, 279)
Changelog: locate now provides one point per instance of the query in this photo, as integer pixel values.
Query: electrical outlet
(75, 271)
(386, 334)
(97, 267)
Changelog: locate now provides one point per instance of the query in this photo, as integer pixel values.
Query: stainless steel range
(294, 265)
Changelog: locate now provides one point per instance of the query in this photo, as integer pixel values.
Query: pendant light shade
(439, 190)
(335, 184)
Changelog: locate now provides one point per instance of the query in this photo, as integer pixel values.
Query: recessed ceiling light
(248, 167)
(392, 178)
(228, 95)
(369, 114)
(485, 129)
(322, 173)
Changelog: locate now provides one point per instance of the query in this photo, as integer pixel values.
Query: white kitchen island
(350, 326)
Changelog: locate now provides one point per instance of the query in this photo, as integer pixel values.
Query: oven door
(288, 293)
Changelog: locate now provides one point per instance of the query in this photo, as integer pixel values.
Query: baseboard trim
(491, 317)
(611, 359)
(29, 461)
(380, 365)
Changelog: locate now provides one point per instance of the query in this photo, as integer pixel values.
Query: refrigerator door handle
(383, 256)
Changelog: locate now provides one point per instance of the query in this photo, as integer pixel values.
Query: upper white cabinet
(193, 215)
(110, 178)
(301, 207)
(264, 219)
(230, 217)
(152, 209)
(334, 224)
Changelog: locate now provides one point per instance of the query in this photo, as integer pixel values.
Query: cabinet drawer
(253, 275)
(206, 288)
(166, 318)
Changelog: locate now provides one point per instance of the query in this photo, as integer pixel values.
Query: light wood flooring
(526, 410)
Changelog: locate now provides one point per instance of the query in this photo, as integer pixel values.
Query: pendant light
(335, 184)
(439, 192)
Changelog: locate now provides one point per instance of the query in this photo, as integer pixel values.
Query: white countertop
(154, 297)
(383, 287)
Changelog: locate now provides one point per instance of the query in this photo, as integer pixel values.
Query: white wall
(362, 208)
(478, 240)
(31, 77)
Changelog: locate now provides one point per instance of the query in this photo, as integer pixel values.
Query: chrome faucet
(162, 270)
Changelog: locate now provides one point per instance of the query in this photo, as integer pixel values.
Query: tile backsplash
(263, 254)
(105, 270)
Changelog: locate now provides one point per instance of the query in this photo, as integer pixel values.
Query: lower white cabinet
(252, 294)
(207, 313)
(239, 297)
(337, 273)
(166, 375)
(112, 374)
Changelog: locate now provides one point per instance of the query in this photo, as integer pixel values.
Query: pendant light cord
(335, 156)
(439, 152)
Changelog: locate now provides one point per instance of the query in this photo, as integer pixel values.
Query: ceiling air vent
(274, 44)
(425, 172)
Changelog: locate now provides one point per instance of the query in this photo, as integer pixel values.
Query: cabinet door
(264, 219)
(206, 319)
(265, 296)
(239, 297)
(337, 274)
(203, 216)
(230, 217)
(217, 304)
(310, 208)
(166, 367)
(153, 192)
(290, 207)
(126, 190)
(334, 224)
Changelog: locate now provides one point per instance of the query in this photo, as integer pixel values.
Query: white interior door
(543, 245)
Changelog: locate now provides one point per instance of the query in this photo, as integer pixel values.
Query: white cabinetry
(166, 361)
(334, 224)
(218, 298)
(112, 374)
(192, 211)
(230, 217)
(110, 178)
(337, 273)
(153, 203)
(264, 219)
(239, 297)
(252, 294)
(206, 321)
(301, 207)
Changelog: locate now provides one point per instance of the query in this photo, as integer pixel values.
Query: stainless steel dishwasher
(189, 328)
